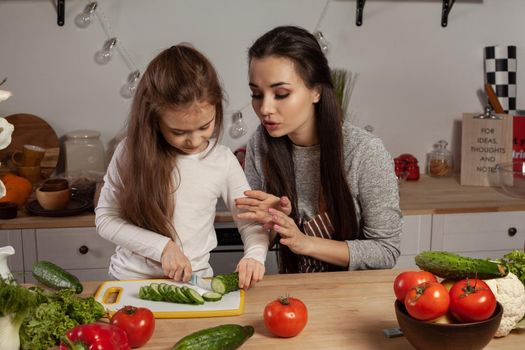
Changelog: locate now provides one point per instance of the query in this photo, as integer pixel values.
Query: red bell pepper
(95, 336)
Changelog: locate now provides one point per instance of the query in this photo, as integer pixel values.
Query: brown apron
(320, 226)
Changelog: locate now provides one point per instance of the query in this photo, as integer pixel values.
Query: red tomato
(285, 317)
(137, 322)
(471, 300)
(427, 301)
(406, 280)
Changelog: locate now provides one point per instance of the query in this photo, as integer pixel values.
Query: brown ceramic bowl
(436, 336)
(8, 210)
(53, 200)
(56, 184)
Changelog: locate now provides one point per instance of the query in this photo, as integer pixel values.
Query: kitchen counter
(345, 310)
(426, 196)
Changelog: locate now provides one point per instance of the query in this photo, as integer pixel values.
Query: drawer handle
(512, 231)
(83, 249)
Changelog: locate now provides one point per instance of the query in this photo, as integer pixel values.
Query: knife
(200, 282)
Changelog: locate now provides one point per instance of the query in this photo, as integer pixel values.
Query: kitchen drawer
(74, 248)
(415, 238)
(478, 233)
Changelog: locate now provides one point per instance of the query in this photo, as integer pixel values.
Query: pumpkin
(18, 189)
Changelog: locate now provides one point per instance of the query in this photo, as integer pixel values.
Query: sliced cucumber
(154, 292)
(143, 292)
(212, 296)
(182, 296)
(193, 295)
(225, 283)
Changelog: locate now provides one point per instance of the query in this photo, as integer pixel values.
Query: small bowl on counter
(511, 178)
(53, 199)
(424, 335)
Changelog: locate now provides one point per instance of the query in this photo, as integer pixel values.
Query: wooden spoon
(493, 99)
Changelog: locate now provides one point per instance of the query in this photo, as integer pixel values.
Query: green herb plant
(344, 82)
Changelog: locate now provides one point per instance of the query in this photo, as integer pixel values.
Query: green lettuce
(56, 313)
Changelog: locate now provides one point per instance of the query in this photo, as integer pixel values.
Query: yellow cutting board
(114, 295)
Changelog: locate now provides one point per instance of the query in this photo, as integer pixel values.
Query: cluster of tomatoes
(426, 299)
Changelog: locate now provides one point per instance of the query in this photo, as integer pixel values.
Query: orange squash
(18, 189)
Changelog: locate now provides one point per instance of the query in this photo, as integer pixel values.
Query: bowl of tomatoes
(446, 314)
(426, 335)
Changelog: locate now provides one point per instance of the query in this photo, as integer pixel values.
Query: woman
(328, 191)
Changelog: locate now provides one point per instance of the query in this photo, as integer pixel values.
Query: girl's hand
(174, 263)
(290, 234)
(250, 272)
(257, 204)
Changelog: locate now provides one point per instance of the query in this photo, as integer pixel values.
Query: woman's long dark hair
(176, 78)
(301, 47)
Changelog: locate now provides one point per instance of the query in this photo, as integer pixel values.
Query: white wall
(415, 77)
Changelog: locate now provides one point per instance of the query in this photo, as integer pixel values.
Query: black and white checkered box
(500, 72)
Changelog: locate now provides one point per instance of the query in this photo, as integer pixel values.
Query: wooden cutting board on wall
(32, 130)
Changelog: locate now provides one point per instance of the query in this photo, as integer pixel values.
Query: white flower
(6, 129)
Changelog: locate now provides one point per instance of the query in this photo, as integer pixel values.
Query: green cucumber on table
(453, 266)
(53, 276)
(225, 283)
(226, 336)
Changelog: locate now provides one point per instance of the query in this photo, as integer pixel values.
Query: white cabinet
(80, 251)
(479, 235)
(15, 262)
(415, 238)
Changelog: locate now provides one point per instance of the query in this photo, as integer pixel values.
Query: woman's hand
(291, 236)
(250, 272)
(257, 204)
(174, 263)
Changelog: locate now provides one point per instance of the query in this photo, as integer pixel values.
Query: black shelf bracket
(447, 7)
(360, 5)
(61, 4)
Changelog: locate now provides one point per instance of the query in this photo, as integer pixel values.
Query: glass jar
(84, 151)
(440, 160)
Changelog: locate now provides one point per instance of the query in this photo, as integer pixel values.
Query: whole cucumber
(223, 337)
(453, 266)
(55, 277)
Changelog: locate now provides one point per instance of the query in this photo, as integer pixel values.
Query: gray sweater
(372, 181)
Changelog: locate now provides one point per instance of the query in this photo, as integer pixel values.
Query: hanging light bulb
(325, 45)
(128, 89)
(239, 127)
(103, 56)
(82, 20)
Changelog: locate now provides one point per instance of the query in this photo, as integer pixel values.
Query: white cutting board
(127, 293)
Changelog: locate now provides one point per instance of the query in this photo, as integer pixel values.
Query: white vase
(5, 252)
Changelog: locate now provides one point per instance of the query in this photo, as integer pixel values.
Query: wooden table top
(426, 196)
(346, 310)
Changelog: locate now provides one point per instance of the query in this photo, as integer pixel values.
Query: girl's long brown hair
(177, 77)
(302, 48)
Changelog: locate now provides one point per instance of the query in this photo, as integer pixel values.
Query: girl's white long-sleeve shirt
(202, 180)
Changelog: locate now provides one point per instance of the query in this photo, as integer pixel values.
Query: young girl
(338, 208)
(161, 188)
